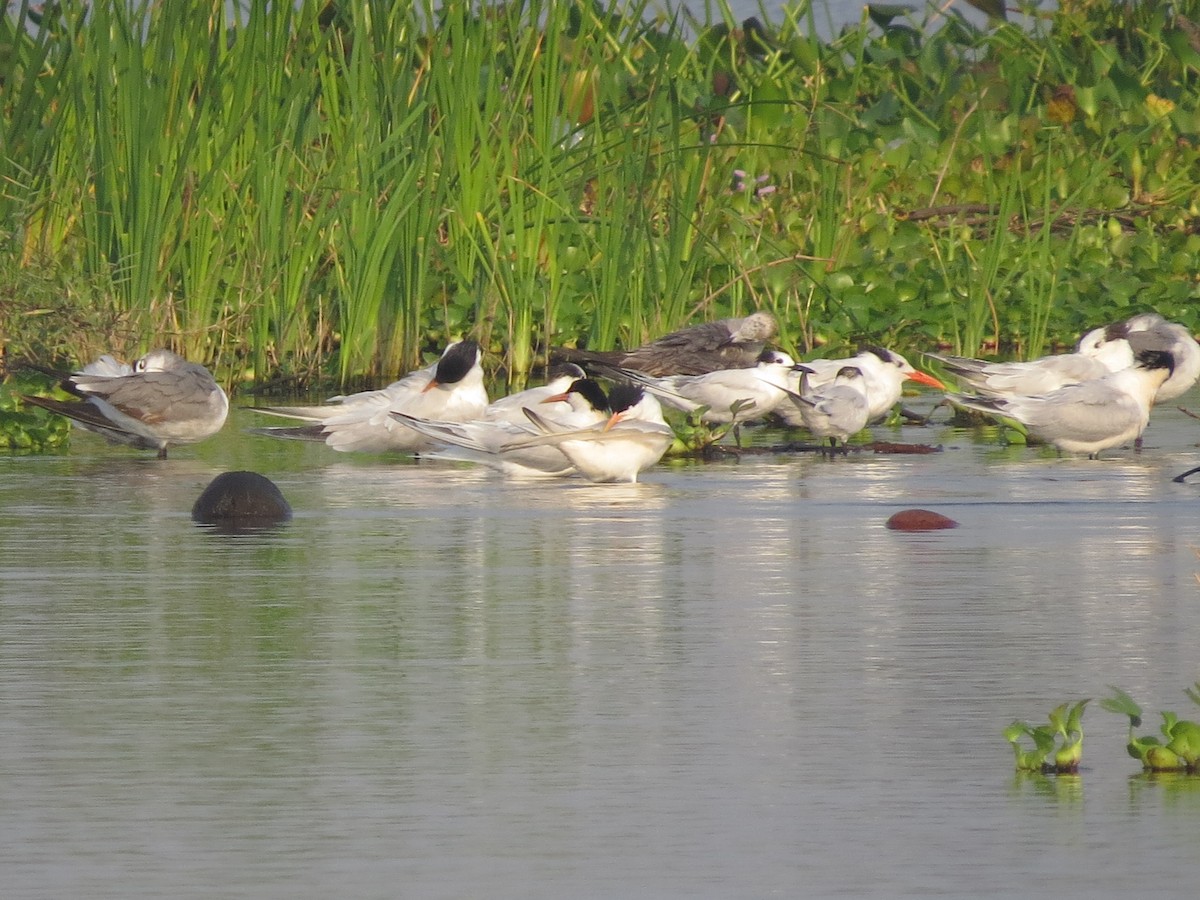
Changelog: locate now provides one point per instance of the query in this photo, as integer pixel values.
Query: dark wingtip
(1155, 359)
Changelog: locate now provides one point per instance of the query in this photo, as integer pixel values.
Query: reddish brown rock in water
(919, 520)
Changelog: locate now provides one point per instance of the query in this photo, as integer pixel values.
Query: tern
(696, 350)
(884, 373)
(1090, 416)
(631, 440)
(495, 442)
(1098, 352)
(1150, 331)
(727, 396)
(836, 409)
(510, 408)
(161, 401)
(450, 390)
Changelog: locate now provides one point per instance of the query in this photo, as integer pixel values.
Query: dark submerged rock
(241, 500)
(919, 520)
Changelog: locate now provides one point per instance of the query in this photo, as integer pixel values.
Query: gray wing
(702, 337)
(155, 397)
(1083, 412)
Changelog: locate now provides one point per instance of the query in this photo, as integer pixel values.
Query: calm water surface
(729, 681)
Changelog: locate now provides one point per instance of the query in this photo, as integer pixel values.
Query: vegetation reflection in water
(444, 677)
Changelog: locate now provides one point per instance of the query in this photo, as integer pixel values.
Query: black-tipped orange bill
(922, 378)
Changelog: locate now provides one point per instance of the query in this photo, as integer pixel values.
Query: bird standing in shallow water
(450, 390)
(633, 439)
(161, 401)
(1097, 353)
(884, 373)
(1090, 416)
(498, 442)
(724, 397)
(836, 409)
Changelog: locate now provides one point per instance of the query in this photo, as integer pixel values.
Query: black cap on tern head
(457, 360)
(623, 396)
(883, 353)
(590, 391)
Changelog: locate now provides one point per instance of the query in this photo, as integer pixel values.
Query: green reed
(335, 190)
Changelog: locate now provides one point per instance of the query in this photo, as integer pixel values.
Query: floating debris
(919, 520)
(241, 501)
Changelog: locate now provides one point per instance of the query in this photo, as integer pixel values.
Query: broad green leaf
(1074, 720)
(1122, 704)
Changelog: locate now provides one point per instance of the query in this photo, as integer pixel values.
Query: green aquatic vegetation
(26, 429)
(1057, 746)
(693, 436)
(1175, 749)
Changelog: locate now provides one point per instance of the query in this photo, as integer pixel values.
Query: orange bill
(922, 378)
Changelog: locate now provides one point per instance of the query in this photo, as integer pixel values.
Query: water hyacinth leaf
(1185, 742)
(1043, 738)
(1170, 720)
(1181, 45)
(804, 53)
(1193, 693)
(919, 131)
(1075, 719)
(1058, 718)
(768, 103)
(1015, 732)
(1122, 704)
(882, 14)
(885, 110)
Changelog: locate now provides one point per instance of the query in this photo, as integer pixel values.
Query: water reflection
(724, 681)
(1064, 790)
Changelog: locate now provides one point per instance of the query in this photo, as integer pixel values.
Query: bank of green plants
(27, 429)
(329, 190)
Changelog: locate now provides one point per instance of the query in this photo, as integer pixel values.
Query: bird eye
(140, 365)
